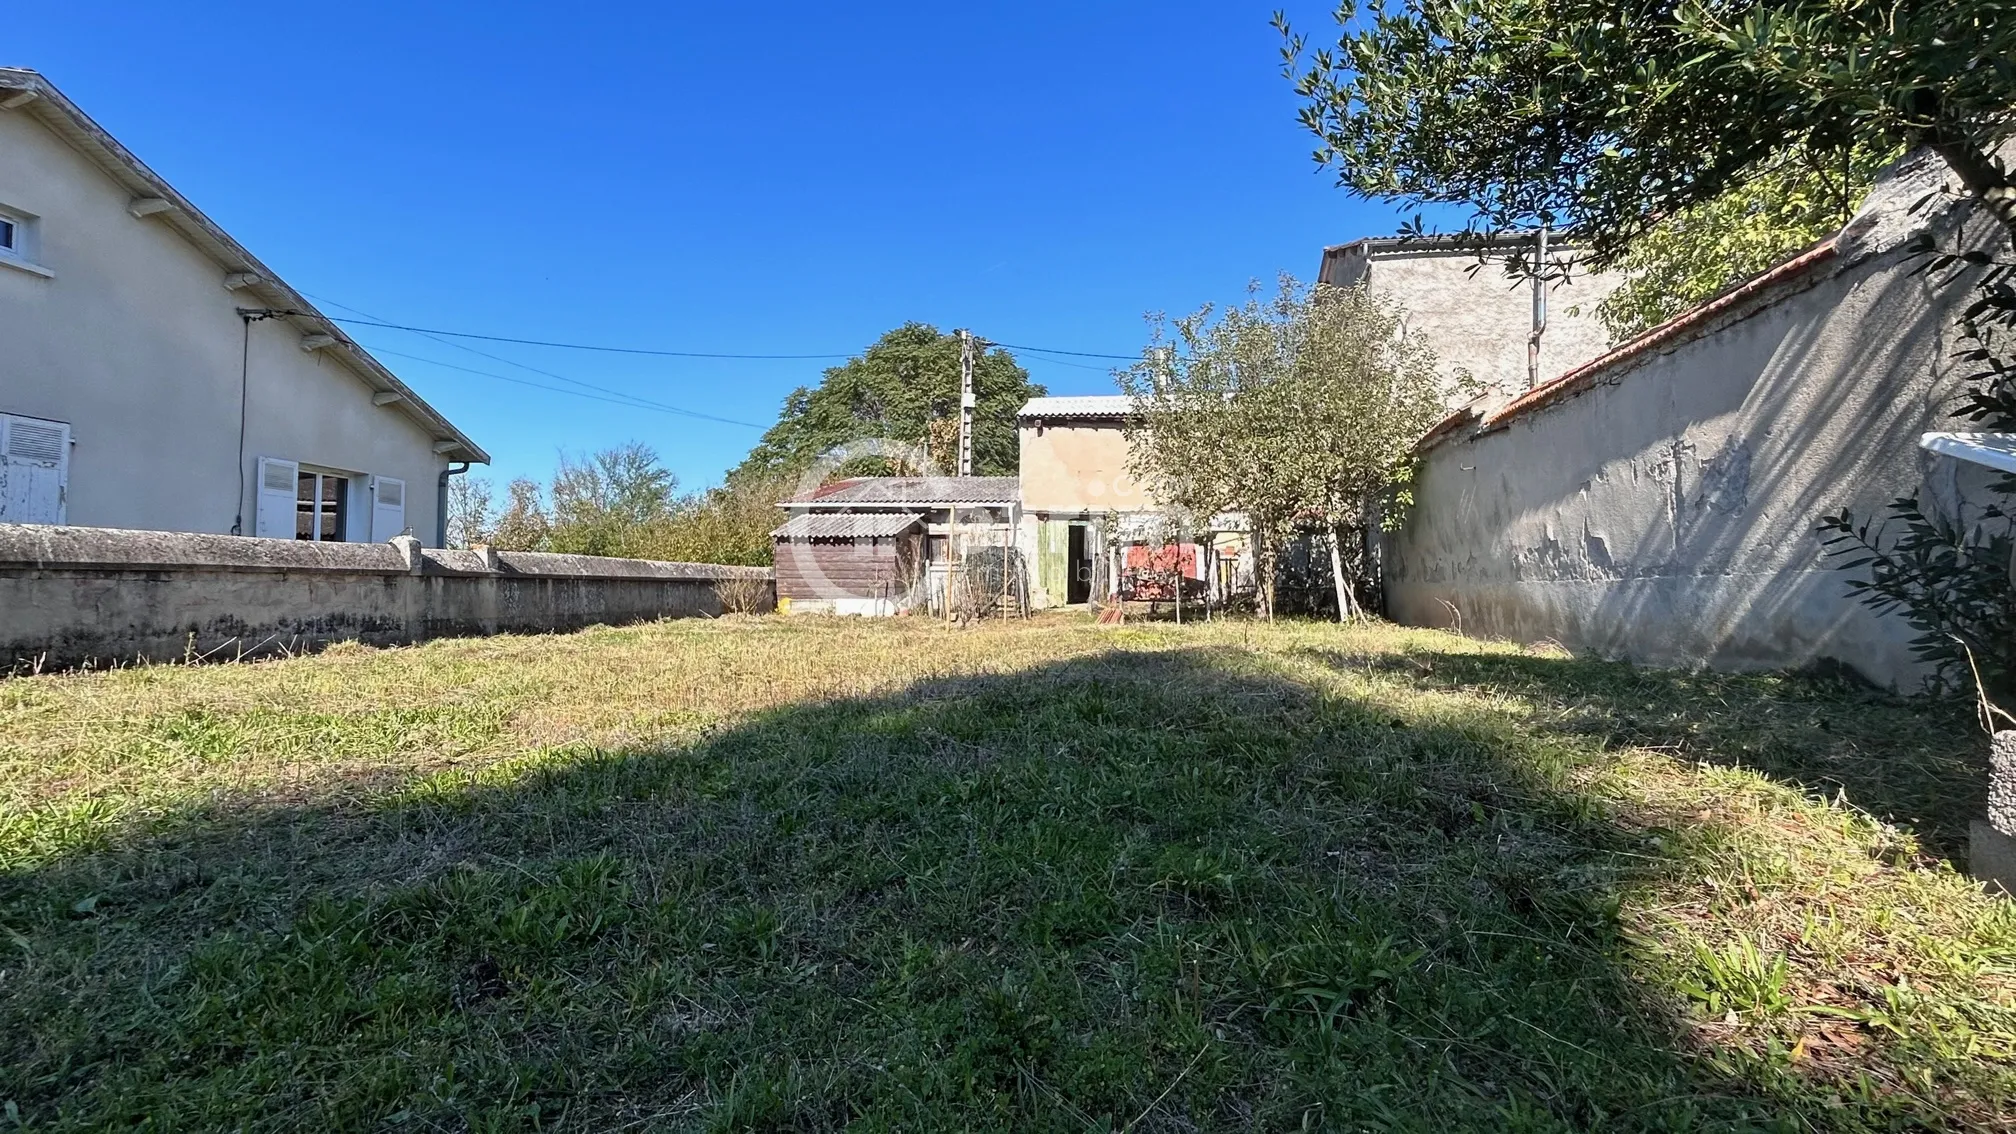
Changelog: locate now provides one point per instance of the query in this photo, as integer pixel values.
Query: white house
(154, 374)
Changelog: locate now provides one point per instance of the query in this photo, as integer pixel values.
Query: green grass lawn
(807, 874)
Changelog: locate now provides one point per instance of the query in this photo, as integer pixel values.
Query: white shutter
(34, 470)
(388, 508)
(279, 499)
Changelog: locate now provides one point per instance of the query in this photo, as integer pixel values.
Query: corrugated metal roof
(912, 490)
(1089, 405)
(847, 525)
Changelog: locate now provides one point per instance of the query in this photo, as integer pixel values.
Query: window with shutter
(274, 516)
(34, 470)
(388, 508)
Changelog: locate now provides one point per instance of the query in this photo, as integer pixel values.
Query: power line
(654, 352)
(629, 398)
(1072, 353)
(1072, 365)
(620, 399)
(576, 346)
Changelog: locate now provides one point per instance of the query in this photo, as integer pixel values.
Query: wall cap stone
(37, 547)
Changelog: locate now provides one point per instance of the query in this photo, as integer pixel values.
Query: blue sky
(742, 178)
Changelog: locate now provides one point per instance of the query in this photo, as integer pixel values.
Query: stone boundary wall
(82, 596)
(1659, 503)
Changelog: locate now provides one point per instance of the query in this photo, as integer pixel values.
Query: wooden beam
(148, 206)
(447, 446)
(387, 398)
(16, 98)
(317, 342)
(236, 280)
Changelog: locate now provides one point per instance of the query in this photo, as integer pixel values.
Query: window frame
(24, 251)
(340, 510)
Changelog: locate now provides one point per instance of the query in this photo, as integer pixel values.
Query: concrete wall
(74, 596)
(1476, 316)
(132, 340)
(1661, 506)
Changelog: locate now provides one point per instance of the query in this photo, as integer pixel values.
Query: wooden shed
(848, 562)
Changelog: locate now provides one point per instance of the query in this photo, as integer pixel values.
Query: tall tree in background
(610, 502)
(903, 388)
(470, 507)
(1301, 410)
(523, 525)
(621, 502)
(1611, 117)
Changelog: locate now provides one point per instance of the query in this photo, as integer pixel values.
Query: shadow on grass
(1916, 763)
(1138, 892)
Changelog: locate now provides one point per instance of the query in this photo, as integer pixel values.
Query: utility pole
(1539, 310)
(966, 402)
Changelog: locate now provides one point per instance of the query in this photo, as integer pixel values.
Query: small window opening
(321, 507)
(10, 235)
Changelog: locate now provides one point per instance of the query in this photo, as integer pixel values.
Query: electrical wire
(657, 353)
(628, 398)
(575, 346)
(1072, 353)
(620, 399)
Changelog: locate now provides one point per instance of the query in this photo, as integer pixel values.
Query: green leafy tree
(729, 524)
(1610, 117)
(609, 503)
(471, 505)
(523, 525)
(1301, 410)
(621, 502)
(903, 388)
(1704, 249)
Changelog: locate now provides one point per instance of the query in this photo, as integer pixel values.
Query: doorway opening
(1078, 551)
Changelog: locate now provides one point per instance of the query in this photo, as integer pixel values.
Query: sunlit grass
(804, 874)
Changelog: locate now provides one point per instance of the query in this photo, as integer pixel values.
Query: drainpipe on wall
(455, 468)
(1539, 310)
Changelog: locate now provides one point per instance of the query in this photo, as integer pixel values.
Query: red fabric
(1164, 558)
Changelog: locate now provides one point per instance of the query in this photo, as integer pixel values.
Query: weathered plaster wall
(1665, 513)
(1078, 467)
(1478, 318)
(73, 596)
(134, 342)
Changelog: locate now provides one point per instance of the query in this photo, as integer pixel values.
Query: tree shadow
(1153, 891)
(1915, 762)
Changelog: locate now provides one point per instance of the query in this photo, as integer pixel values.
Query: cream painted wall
(1666, 513)
(1078, 468)
(135, 343)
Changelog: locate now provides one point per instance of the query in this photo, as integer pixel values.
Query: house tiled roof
(847, 525)
(876, 491)
(1092, 405)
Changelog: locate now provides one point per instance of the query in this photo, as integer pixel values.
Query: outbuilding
(867, 563)
(890, 544)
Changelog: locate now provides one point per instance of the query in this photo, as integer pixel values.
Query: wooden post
(951, 557)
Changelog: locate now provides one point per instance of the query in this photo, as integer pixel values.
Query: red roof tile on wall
(1584, 376)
